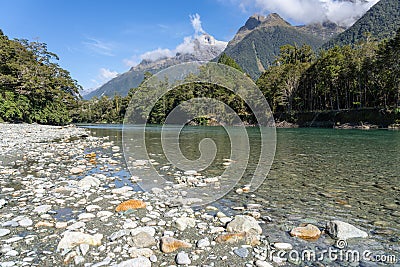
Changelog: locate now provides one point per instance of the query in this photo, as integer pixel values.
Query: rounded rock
(153, 258)
(342, 230)
(25, 222)
(42, 208)
(283, 246)
(136, 262)
(202, 243)
(241, 252)
(244, 223)
(182, 258)
(260, 263)
(308, 232)
(4, 232)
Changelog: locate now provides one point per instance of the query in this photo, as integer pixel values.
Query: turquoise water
(317, 175)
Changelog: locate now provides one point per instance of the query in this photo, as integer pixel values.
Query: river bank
(340, 119)
(60, 203)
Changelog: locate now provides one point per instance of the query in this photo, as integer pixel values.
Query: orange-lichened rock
(308, 232)
(130, 204)
(170, 244)
(230, 238)
(44, 224)
(248, 238)
(91, 155)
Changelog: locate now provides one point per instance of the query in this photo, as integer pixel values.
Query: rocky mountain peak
(274, 19)
(205, 39)
(257, 21)
(326, 30)
(253, 22)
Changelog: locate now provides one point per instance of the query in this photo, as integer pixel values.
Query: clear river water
(317, 175)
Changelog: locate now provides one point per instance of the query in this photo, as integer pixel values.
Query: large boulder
(342, 230)
(244, 223)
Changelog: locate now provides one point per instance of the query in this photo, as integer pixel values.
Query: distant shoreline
(364, 119)
(373, 118)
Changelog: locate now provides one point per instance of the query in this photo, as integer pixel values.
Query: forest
(365, 75)
(33, 88)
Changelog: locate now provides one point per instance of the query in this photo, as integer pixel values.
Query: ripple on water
(322, 174)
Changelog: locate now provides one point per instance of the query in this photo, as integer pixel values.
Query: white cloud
(157, 54)
(106, 74)
(99, 47)
(103, 76)
(186, 47)
(163, 26)
(196, 24)
(308, 11)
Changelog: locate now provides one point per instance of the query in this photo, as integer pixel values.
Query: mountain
(381, 21)
(119, 85)
(201, 48)
(325, 30)
(257, 43)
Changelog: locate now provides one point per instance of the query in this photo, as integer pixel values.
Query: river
(317, 175)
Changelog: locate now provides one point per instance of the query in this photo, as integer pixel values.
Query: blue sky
(93, 37)
(97, 39)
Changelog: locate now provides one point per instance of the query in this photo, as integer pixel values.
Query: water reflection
(317, 175)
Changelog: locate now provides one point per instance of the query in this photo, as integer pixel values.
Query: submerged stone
(342, 230)
(308, 232)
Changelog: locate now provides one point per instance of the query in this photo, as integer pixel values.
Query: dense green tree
(227, 60)
(32, 87)
(381, 21)
(387, 66)
(343, 77)
(281, 81)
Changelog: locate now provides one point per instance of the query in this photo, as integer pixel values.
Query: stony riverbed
(62, 203)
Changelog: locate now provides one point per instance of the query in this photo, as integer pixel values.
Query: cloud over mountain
(156, 54)
(342, 12)
(106, 74)
(186, 47)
